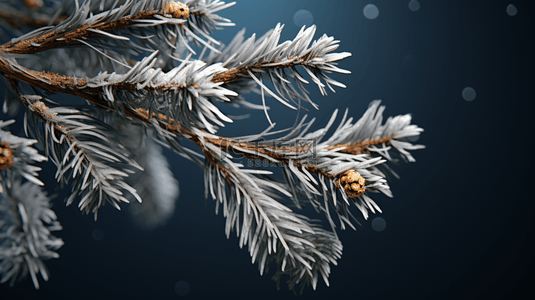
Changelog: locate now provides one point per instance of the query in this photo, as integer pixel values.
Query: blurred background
(461, 223)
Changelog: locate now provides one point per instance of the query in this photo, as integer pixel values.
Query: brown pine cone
(352, 183)
(177, 10)
(6, 156)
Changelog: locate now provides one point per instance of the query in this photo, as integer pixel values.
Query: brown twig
(236, 73)
(52, 40)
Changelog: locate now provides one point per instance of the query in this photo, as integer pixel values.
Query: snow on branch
(82, 148)
(26, 223)
(271, 230)
(251, 59)
(187, 92)
(330, 176)
(133, 64)
(132, 24)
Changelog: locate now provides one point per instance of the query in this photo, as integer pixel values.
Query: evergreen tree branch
(56, 83)
(279, 236)
(186, 92)
(26, 223)
(81, 27)
(271, 230)
(84, 149)
(173, 96)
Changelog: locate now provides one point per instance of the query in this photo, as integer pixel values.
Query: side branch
(237, 73)
(60, 83)
(78, 28)
(82, 149)
(51, 39)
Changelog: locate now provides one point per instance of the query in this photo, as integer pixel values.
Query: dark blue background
(460, 225)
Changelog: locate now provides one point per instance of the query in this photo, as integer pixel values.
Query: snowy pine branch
(138, 20)
(271, 230)
(135, 66)
(324, 173)
(249, 60)
(26, 223)
(187, 91)
(82, 148)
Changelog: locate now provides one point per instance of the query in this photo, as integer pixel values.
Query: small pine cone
(177, 10)
(6, 156)
(352, 183)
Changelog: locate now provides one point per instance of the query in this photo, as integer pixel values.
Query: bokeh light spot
(511, 10)
(469, 94)
(378, 224)
(182, 288)
(371, 11)
(414, 5)
(303, 17)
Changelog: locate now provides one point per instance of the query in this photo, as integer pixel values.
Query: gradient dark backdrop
(460, 225)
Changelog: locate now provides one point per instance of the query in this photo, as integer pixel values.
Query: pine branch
(249, 60)
(273, 155)
(26, 223)
(171, 97)
(81, 28)
(278, 232)
(271, 230)
(189, 89)
(84, 149)
(54, 82)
